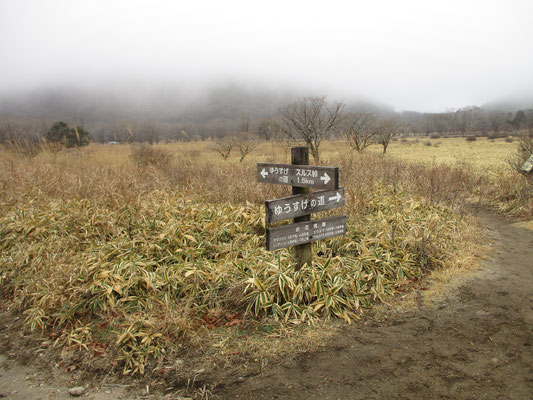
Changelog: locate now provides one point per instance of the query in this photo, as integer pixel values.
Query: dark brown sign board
(528, 165)
(303, 204)
(310, 176)
(305, 232)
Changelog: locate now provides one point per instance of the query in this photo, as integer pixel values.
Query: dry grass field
(484, 154)
(129, 257)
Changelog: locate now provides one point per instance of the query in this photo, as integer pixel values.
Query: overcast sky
(422, 55)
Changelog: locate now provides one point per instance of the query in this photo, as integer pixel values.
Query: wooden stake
(302, 252)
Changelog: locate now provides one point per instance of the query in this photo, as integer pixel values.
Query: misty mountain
(511, 104)
(369, 105)
(168, 104)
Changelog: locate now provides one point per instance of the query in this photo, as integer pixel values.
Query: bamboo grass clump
(105, 254)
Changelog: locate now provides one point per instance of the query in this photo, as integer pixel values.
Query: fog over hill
(164, 103)
(172, 103)
(512, 103)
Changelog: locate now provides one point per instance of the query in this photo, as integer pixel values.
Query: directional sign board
(528, 165)
(299, 175)
(305, 232)
(303, 204)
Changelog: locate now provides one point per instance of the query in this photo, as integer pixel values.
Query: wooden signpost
(302, 204)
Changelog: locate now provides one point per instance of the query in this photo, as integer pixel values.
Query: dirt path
(477, 343)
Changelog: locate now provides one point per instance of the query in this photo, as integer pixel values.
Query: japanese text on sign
(305, 232)
(303, 176)
(304, 204)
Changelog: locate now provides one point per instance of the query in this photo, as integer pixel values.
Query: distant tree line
(469, 120)
(308, 120)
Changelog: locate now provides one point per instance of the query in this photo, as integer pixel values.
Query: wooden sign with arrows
(299, 175)
(302, 204)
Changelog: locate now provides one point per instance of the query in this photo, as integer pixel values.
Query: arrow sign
(299, 175)
(303, 204)
(305, 232)
(338, 196)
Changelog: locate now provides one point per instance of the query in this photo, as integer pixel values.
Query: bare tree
(246, 142)
(312, 120)
(497, 120)
(436, 123)
(150, 132)
(427, 125)
(387, 129)
(219, 129)
(118, 132)
(244, 123)
(451, 118)
(359, 130)
(283, 142)
(18, 129)
(223, 146)
(268, 129)
(467, 117)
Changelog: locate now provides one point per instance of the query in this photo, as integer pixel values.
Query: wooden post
(302, 252)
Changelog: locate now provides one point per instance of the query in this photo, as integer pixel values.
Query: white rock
(76, 391)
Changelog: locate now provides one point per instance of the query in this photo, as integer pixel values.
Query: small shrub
(146, 155)
(434, 136)
(428, 143)
(471, 138)
(224, 147)
(509, 139)
(497, 135)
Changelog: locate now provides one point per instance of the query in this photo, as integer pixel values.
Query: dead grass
(145, 155)
(106, 255)
(436, 285)
(481, 155)
(525, 224)
(489, 177)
